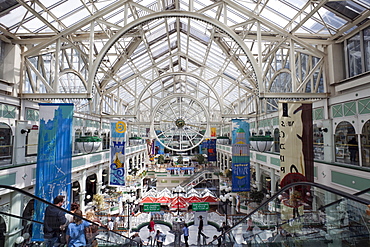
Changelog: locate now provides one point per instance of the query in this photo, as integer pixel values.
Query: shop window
(365, 144)
(6, 145)
(318, 143)
(345, 144)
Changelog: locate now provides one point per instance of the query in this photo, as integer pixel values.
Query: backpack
(163, 237)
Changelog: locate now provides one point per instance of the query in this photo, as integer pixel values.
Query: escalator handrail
(50, 204)
(275, 196)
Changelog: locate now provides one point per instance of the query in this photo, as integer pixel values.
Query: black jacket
(54, 218)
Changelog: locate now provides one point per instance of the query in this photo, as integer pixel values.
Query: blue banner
(54, 159)
(159, 148)
(212, 150)
(240, 156)
(203, 147)
(117, 154)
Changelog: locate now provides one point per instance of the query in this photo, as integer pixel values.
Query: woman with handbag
(76, 231)
(92, 231)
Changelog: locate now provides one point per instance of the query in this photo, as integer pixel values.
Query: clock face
(180, 122)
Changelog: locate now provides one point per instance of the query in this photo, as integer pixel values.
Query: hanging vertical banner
(241, 156)
(203, 147)
(159, 148)
(213, 132)
(117, 153)
(296, 142)
(212, 150)
(54, 159)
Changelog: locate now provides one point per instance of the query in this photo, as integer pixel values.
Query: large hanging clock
(180, 122)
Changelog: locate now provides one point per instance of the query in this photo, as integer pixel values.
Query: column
(15, 224)
(82, 194)
(258, 177)
(273, 182)
(99, 180)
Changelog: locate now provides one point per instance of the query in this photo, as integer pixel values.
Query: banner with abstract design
(212, 150)
(54, 159)
(240, 156)
(296, 142)
(117, 153)
(213, 132)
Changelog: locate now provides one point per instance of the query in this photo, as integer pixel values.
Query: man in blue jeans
(53, 220)
(185, 231)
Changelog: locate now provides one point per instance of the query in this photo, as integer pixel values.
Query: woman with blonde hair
(92, 231)
(76, 231)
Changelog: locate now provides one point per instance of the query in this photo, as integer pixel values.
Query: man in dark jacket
(200, 230)
(53, 220)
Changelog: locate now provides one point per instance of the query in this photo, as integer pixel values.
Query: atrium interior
(175, 76)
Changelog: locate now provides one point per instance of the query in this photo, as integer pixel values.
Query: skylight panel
(81, 15)
(297, 3)
(331, 19)
(274, 18)
(13, 17)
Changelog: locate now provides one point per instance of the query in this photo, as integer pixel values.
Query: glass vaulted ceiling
(177, 55)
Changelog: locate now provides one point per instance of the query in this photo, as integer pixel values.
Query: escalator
(19, 228)
(305, 214)
(300, 214)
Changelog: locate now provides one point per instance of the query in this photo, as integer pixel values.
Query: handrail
(275, 196)
(50, 204)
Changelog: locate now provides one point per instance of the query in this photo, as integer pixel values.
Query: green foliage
(200, 159)
(228, 173)
(256, 196)
(161, 159)
(180, 160)
(218, 173)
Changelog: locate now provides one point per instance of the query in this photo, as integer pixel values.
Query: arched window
(365, 144)
(346, 148)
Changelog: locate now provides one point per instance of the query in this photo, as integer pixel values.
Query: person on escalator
(54, 219)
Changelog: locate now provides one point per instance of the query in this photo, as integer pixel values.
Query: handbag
(62, 237)
(90, 235)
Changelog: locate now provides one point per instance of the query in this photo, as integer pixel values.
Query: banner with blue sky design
(117, 154)
(240, 156)
(54, 159)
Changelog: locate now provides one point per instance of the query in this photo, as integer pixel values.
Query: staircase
(198, 177)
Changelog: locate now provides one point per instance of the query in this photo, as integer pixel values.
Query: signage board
(200, 206)
(151, 207)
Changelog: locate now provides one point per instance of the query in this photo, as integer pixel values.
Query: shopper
(136, 238)
(151, 227)
(185, 231)
(215, 240)
(200, 229)
(160, 238)
(92, 231)
(69, 219)
(54, 219)
(110, 227)
(76, 231)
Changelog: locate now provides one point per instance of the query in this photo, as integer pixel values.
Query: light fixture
(319, 125)
(92, 180)
(75, 188)
(24, 131)
(261, 143)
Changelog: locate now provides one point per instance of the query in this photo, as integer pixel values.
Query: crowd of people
(76, 229)
(61, 229)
